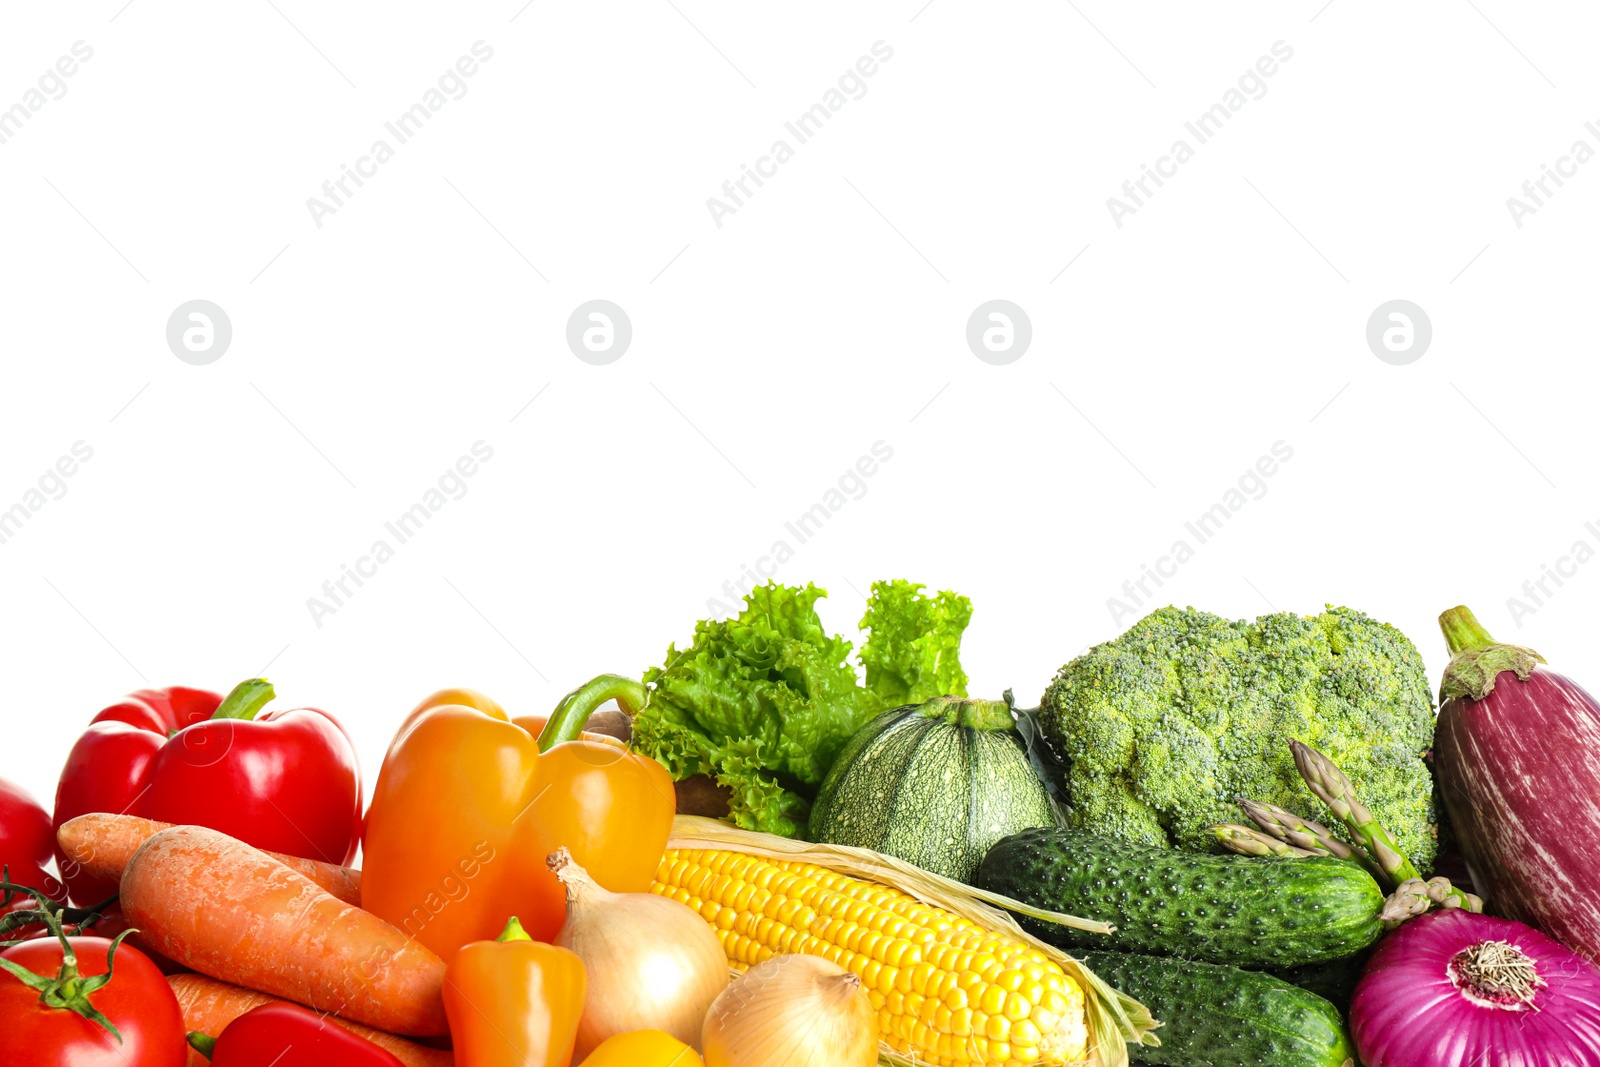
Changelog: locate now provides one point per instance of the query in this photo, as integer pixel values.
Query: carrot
(103, 844)
(209, 1006)
(225, 909)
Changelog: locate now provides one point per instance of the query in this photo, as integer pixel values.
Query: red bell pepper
(287, 1035)
(283, 781)
(26, 841)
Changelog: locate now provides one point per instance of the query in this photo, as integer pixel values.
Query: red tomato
(137, 1001)
(26, 841)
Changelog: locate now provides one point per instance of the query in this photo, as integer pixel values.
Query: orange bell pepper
(469, 804)
(643, 1048)
(514, 1002)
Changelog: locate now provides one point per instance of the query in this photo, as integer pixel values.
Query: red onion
(1518, 757)
(1454, 989)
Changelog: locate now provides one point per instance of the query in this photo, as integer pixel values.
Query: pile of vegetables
(1213, 843)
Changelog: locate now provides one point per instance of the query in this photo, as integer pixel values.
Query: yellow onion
(653, 963)
(793, 1011)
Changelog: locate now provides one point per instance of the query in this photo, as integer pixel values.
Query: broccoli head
(1162, 729)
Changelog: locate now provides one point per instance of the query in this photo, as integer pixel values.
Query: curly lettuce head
(913, 651)
(764, 702)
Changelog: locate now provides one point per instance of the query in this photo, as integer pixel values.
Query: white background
(768, 354)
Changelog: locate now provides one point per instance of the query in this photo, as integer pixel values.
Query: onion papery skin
(792, 1011)
(1408, 1012)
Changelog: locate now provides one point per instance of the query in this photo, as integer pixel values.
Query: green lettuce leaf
(764, 702)
(914, 643)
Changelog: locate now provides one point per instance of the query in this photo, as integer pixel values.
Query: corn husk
(1114, 1019)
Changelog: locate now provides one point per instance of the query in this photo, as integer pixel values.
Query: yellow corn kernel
(1024, 1032)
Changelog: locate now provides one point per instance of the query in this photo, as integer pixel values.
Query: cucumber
(1334, 981)
(1216, 1016)
(1238, 910)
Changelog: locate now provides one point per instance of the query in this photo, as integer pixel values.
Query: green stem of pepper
(247, 698)
(568, 719)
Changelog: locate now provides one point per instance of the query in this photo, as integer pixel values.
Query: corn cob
(948, 992)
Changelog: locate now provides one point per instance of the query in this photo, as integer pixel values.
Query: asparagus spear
(1334, 789)
(1414, 896)
(1331, 787)
(1407, 902)
(1248, 841)
(1304, 833)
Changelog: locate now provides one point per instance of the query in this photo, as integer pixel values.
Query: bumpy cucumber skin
(1333, 981)
(1235, 910)
(1215, 1016)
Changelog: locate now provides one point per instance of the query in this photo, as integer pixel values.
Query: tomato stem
(68, 990)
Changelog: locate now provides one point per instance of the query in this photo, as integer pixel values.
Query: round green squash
(934, 784)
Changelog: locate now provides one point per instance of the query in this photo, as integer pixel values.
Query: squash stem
(988, 715)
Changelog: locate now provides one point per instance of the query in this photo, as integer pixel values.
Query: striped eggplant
(1517, 753)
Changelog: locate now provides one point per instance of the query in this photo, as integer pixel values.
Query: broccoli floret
(1163, 728)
